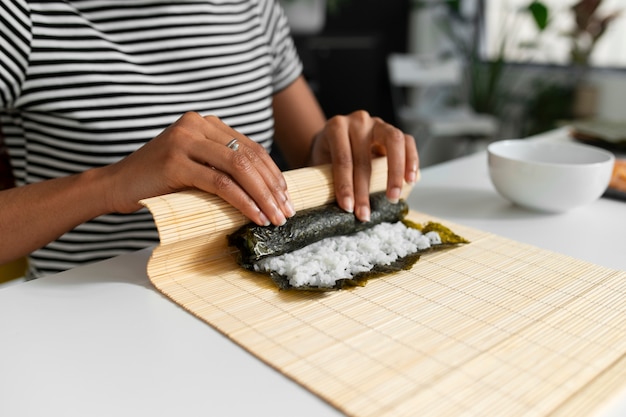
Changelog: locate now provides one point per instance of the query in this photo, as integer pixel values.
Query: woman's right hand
(192, 153)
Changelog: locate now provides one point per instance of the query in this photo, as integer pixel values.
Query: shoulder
(268, 9)
(15, 41)
(15, 23)
(14, 12)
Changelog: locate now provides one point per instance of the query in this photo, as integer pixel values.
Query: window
(504, 23)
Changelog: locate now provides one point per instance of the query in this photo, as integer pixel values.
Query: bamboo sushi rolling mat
(495, 327)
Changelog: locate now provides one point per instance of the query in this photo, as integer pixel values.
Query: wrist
(312, 160)
(98, 185)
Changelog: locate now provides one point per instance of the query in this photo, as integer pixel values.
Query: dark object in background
(346, 63)
(7, 180)
(549, 107)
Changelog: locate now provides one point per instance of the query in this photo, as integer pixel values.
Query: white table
(460, 191)
(101, 341)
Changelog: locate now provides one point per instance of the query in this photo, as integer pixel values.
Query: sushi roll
(326, 248)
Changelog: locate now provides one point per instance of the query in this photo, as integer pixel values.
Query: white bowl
(549, 176)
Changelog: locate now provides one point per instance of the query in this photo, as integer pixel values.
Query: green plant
(334, 5)
(553, 102)
(485, 77)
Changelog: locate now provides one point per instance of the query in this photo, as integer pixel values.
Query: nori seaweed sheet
(449, 239)
(309, 226)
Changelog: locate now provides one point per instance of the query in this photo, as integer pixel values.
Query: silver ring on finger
(233, 144)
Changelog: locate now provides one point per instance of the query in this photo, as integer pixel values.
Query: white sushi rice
(322, 263)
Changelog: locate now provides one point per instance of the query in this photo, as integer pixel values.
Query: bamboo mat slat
(495, 327)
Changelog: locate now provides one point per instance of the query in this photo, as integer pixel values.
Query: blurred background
(458, 74)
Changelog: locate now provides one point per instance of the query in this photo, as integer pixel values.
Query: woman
(106, 102)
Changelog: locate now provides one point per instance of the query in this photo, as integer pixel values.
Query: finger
(394, 142)
(260, 154)
(221, 184)
(248, 176)
(412, 159)
(338, 139)
(271, 175)
(251, 166)
(265, 167)
(361, 139)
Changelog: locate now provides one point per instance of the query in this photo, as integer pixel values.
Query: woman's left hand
(349, 143)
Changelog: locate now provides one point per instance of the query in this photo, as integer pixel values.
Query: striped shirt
(84, 83)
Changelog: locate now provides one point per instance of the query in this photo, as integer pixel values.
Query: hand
(349, 143)
(192, 153)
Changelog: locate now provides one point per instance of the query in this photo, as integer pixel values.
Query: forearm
(190, 153)
(298, 118)
(34, 215)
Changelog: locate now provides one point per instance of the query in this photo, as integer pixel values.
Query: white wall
(612, 100)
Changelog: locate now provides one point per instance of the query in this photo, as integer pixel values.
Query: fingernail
(394, 195)
(364, 214)
(291, 211)
(279, 217)
(348, 204)
(264, 220)
(412, 175)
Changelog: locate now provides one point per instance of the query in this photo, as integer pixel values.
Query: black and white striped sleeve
(15, 38)
(286, 64)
